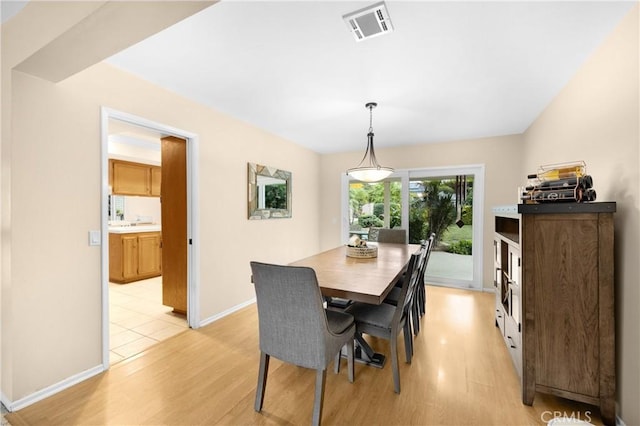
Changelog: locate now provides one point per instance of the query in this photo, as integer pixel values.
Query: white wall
(142, 206)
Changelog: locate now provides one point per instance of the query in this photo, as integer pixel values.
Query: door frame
(405, 175)
(193, 248)
(477, 171)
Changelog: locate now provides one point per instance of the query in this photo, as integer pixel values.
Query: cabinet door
(149, 254)
(156, 176)
(497, 283)
(131, 178)
(129, 256)
(565, 276)
(497, 267)
(514, 284)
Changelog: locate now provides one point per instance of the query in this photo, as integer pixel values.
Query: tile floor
(138, 319)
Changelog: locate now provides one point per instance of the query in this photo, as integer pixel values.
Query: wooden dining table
(367, 280)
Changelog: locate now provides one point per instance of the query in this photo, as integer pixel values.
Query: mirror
(269, 192)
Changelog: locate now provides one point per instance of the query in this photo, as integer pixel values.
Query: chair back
(416, 275)
(395, 235)
(373, 234)
(428, 246)
(408, 286)
(292, 320)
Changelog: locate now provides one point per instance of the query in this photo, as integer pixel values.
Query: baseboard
(5, 402)
(51, 390)
(229, 311)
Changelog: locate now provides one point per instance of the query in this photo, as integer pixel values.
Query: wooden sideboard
(565, 304)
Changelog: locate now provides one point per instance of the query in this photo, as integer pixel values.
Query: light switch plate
(95, 238)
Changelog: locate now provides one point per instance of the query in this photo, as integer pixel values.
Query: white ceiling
(449, 71)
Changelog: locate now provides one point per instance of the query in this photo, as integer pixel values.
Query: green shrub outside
(460, 247)
(394, 209)
(368, 221)
(467, 214)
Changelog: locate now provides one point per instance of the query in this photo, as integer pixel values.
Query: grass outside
(454, 234)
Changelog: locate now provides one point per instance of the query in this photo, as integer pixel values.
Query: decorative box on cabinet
(134, 256)
(568, 321)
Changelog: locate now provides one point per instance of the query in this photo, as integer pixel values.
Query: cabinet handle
(513, 346)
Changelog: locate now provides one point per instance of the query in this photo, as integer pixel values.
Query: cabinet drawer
(513, 339)
(500, 316)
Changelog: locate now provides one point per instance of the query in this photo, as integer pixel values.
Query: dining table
(367, 280)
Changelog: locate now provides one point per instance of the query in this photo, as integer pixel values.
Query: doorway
(137, 303)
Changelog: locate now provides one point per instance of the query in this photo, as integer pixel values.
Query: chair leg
(262, 380)
(321, 377)
(350, 363)
(394, 363)
(336, 363)
(415, 315)
(408, 341)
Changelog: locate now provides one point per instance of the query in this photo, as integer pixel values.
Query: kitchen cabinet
(156, 178)
(560, 315)
(134, 256)
(128, 178)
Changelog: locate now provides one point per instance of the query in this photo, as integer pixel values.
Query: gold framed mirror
(269, 192)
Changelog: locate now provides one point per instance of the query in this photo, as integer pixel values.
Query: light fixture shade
(369, 174)
(369, 170)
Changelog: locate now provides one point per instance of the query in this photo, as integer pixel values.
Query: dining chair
(295, 328)
(385, 321)
(417, 309)
(394, 235)
(373, 234)
(422, 286)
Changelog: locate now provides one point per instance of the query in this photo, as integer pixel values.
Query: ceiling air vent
(369, 22)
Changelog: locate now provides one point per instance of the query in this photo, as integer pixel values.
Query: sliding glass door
(445, 201)
(374, 205)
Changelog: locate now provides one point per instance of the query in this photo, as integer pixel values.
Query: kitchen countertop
(134, 228)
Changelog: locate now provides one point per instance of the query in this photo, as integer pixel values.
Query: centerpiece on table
(358, 248)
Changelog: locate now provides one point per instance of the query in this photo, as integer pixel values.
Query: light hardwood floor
(461, 374)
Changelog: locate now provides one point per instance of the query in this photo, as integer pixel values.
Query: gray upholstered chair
(295, 328)
(386, 321)
(373, 234)
(395, 235)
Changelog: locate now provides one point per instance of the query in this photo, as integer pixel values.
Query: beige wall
(499, 155)
(20, 39)
(595, 118)
(50, 303)
(52, 291)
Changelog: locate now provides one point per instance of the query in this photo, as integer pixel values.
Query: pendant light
(369, 170)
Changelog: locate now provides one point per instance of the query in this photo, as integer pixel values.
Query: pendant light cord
(371, 105)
